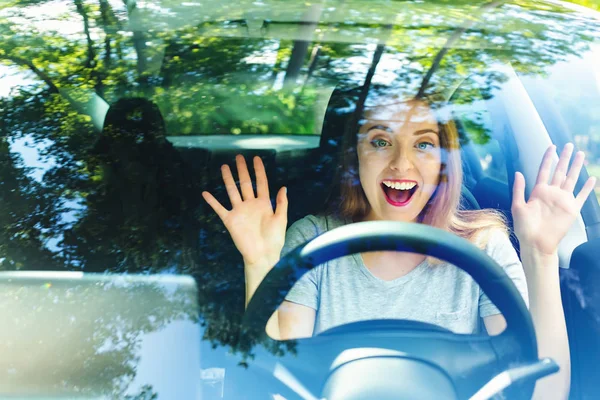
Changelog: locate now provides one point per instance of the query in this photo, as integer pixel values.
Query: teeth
(400, 185)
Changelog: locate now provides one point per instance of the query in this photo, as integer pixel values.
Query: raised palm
(257, 230)
(542, 221)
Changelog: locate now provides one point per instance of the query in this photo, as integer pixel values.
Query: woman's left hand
(541, 222)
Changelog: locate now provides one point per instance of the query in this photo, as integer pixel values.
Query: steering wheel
(401, 357)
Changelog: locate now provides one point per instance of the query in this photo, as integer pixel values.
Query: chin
(401, 216)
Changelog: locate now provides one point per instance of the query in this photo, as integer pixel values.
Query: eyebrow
(416, 133)
(424, 131)
(380, 127)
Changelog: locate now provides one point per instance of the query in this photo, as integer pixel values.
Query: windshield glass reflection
(116, 116)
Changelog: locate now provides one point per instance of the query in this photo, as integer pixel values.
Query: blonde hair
(443, 209)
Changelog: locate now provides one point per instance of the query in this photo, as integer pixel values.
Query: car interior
(308, 173)
(309, 169)
(495, 143)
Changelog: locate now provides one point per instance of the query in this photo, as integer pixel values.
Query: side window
(480, 144)
(484, 162)
(568, 99)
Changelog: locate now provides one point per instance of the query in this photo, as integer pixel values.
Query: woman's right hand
(257, 231)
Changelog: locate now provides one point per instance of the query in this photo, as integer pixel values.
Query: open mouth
(398, 196)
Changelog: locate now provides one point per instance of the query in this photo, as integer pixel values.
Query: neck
(371, 216)
(390, 265)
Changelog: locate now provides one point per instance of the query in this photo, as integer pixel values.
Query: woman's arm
(295, 320)
(540, 224)
(548, 319)
(254, 274)
(291, 320)
(257, 230)
(545, 305)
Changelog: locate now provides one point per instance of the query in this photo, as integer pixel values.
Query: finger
(215, 205)
(573, 175)
(518, 199)
(545, 166)
(244, 175)
(560, 173)
(282, 203)
(230, 186)
(590, 184)
(262, 183)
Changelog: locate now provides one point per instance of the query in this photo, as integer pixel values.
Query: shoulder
(497, 241)
(315, 225)
(485, 228)
(308, 228)
(500, 248)
(488, 230)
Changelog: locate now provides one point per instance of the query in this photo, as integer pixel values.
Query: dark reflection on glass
(92, 178)
(140, 199)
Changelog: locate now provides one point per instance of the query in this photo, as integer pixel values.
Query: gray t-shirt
(344, 290)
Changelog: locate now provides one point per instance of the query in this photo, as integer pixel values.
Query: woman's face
(399, 159)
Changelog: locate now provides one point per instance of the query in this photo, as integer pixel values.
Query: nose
(401, 160)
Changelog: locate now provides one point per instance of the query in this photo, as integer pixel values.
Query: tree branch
(35, 70)
(455, 36)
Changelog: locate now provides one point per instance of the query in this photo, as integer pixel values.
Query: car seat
(146, 195)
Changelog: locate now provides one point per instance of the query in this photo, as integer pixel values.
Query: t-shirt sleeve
(305, 290)
(501, 250)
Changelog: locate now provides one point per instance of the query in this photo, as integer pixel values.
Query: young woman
(402, 163)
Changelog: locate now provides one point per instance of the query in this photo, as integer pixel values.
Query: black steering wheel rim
(395, 236)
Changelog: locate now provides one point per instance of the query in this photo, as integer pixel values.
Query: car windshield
(117, 116)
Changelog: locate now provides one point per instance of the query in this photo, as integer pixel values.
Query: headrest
(134, 119)
(338, 114)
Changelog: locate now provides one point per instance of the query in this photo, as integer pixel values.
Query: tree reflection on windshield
(115, 195)
(85, 338)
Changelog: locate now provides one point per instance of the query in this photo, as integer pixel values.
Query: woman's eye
(425, 145)
(379, 143)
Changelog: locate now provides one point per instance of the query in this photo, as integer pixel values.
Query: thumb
(518, 190)
(282, 203)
